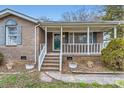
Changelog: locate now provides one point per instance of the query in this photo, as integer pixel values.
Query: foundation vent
(23, 58)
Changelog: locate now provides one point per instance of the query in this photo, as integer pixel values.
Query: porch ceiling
(59, 23)
(80, 26)
(77, 29)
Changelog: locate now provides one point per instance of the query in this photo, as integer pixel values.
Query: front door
(56, 41)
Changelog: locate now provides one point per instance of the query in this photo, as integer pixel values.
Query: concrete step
(50, 68)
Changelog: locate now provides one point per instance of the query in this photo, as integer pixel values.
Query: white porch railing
(82, 48)
(41, 56)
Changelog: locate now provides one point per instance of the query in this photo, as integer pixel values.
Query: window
(70, 38)
(12, 32)
(93, 37)
(65, 37)
(11, 35)
(11, 22)
(80, 37)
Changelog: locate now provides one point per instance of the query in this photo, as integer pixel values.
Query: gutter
(36, 43)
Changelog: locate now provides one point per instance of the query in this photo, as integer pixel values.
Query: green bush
(84, 85)
(113, 54)
(1, 58)
(96, 85)
(120, 83)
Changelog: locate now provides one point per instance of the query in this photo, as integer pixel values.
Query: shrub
(120, 83)
(1, 58)
(84, 85)
(96, 85)
(113, 54)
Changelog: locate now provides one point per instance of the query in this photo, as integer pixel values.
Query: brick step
(52, 61)
(50, 68)
(52, 55)
(50, 65)
(51, 58)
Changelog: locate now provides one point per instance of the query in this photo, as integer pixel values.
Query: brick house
(51, 44)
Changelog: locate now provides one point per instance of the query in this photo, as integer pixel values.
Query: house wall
(27, 46)
(99, 37)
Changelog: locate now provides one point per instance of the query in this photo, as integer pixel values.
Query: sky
(54, 12)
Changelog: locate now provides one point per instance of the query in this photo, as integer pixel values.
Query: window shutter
(19, 35)
(2, 35)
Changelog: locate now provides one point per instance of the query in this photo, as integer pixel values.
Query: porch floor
(53, 53)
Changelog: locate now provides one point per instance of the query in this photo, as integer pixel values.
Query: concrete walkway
(100, 78)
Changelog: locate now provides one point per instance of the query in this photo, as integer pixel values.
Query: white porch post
(46, 38)
(88, 32)
(61, 49)
(115, 32)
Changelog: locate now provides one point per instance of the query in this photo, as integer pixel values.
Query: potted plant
(72, 64)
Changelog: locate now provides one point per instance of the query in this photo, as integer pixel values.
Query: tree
(114, 13)
(82, 15)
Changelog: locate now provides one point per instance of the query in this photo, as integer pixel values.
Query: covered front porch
(66, 39)
(77, 40)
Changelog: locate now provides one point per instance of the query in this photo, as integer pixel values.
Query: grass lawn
(31, 80)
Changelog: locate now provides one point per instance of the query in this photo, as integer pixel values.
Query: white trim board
(7, 11)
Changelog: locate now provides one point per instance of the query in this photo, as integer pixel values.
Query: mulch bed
(97, 67)
(82, 67)
(18, 67)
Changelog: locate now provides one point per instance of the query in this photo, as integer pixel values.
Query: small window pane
(12, 30)
(13, 40)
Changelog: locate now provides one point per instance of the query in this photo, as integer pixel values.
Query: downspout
(36, 43)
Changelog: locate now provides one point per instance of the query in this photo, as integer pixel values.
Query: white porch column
(46, 38)
(115, 32)
(88, 38)
(61, 50)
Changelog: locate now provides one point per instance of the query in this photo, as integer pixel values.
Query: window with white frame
(13, 34)
(82, 37)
